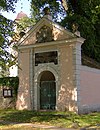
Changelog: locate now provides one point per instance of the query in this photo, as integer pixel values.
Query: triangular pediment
(45, 31)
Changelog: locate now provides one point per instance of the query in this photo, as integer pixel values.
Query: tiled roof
(90, 62)
(20, 15)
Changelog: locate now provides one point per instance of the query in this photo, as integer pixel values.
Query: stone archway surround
(37, 76)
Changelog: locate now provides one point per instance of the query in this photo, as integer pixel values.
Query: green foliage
(7, 5)
(11, 82)
(6, 31)
(85, 13)
(25, 23)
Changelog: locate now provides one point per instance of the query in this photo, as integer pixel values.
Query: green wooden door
(47, 95)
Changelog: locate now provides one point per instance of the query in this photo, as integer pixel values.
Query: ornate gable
(45, 34)
(45, 31)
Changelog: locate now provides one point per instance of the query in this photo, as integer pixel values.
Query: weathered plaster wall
(64, 73)
(8, 102)
(23, 99)
(67, 90)
(89, 89)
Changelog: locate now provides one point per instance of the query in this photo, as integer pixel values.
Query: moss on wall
(10, 82)
(7, 83)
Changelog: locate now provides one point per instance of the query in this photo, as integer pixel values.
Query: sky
(22, 5)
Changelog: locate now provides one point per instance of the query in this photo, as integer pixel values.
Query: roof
(21, 15)
(53, 30)
(90, 62)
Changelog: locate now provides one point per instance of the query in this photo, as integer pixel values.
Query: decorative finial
(75, 29)
(46, 11)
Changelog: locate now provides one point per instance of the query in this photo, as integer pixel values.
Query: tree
(57, 10)
(85, 13)
(24, 23)
(6, 31)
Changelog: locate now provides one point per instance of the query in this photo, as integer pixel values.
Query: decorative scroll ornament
(44, 34)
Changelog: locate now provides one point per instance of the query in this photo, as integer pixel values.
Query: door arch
(47, 90)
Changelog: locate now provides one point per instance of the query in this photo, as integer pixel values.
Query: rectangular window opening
(46, 57)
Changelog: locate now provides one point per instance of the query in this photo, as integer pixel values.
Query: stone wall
(7, 102)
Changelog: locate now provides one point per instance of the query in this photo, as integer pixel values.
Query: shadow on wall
(23, 99)
(54, 33)
(67, 98)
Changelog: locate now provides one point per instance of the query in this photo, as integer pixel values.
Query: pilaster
(31, 78)
(77, 68)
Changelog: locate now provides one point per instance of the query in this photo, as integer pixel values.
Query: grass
(60, 119)
(15, 127)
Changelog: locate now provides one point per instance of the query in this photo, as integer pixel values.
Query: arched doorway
(47, 91)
